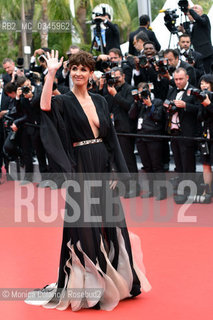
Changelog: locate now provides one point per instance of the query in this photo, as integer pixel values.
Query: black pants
(184, 155)
(127, 146)
(151, 154)
(31, 139)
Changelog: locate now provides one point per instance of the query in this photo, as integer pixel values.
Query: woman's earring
(90, 81)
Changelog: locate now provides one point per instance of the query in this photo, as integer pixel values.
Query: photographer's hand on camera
(165, 75)
(14, 127)
(206, 102)
(180, 103)
(112, 90)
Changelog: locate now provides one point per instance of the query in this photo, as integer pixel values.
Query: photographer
(28, 100)
(191, 56)
(182, 121)
(4, 105)
(144, 22)
(205, 115)
(120, 99)
(149, 68)
(175, 63)
(114, 59)
(111, 34)
(12, 136)
(199, 29)
(145, 70)
(63, 74)
(150, 116)
(42, 67)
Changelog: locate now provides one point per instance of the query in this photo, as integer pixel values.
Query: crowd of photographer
(149, 92)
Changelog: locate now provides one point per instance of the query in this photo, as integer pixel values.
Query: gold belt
(85, 142)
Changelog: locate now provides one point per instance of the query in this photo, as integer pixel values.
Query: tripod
(97, 33)
(170, 38)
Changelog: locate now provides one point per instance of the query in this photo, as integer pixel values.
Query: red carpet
(178, 260)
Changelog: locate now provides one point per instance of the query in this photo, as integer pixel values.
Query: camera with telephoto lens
(170, 105)
(183, 4)
(199, 94)
(140, 95)
(110, 79)
(25, 89)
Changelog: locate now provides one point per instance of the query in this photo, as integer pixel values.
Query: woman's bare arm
(53, 65)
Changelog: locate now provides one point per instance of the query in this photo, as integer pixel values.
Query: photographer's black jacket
(198, 65)
(188, 115)
(201, 34)
(30, 108)
(153, 117)
(150, 34)
(205, 114)
(120, 105)
(112, 36)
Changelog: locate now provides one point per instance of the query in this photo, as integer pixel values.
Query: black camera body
(171, 107)
(189, 57)
(162, 64)
(183, 4)
(199, 94)
(25, 89)
(143, 60)
(140, 95)
(110, 79)
(109, 64)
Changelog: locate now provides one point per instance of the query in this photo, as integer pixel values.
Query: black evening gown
(100, 258)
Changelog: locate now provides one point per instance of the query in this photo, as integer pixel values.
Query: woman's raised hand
(53, 64)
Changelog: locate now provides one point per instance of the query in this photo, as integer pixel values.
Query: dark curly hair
(84, 58)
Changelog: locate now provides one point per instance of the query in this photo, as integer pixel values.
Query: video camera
(170, 20)
(140, 95)
(110, 79)
(199, 94)
(170, 105)
(183, 4)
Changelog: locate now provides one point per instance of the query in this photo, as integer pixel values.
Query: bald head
(198, 9)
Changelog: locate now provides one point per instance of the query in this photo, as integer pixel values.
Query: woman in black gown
(77, 133)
